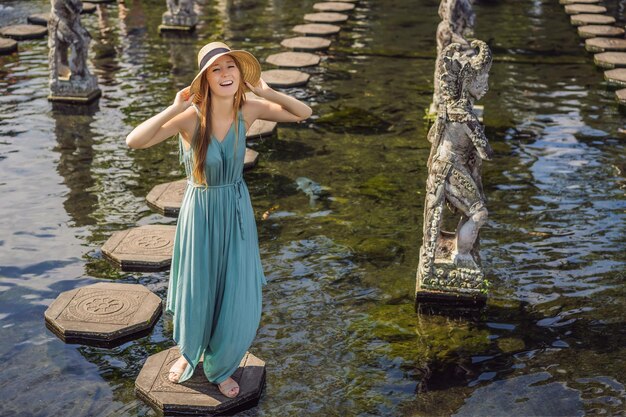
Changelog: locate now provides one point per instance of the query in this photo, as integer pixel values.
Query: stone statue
(457, 22)
(179, 15)
(70, 79)
(450, 261)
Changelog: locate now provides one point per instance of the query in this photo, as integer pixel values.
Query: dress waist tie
(238, 185)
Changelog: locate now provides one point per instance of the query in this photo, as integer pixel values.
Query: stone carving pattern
(451, 262)
(140, 241)
(457, 22)
(68, 37)
(97, 306)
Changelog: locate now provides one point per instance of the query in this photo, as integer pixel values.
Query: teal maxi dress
(216, 276)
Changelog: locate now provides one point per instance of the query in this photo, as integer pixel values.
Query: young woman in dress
(216, 276)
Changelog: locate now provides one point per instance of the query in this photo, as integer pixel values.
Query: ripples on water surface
(338, 332)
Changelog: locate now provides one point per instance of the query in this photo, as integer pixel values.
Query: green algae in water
(348, 119)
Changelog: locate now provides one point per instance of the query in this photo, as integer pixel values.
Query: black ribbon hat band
(211, 54)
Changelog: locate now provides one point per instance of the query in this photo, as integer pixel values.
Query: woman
(216, 276)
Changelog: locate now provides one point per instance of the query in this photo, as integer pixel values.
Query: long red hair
(203, 101)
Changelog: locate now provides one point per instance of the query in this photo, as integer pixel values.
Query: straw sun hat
(250, 67)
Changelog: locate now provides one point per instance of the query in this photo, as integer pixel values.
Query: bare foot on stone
(229, 388)
(176, 371)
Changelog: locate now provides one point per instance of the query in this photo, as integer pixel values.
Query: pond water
(339, 333)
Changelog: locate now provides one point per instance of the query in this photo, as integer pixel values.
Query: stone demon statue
(450, 261)
(65, 31)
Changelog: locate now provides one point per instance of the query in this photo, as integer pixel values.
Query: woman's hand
(183, 99)
(261, 89)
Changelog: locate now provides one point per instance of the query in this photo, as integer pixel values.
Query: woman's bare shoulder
(186, 122)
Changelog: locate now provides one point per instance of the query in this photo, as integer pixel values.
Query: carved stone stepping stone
(293, 59)
(261, 128)
(610, 60)
(605, 45)
(103, 314)
(197, 396)
(591, 19)
(89, 7)
(591, 31)
(39, 19)
(285, 78)
(620, 95)
(144, 248)
(325, 17)
(584, 8)
(317, 29)
(616, 77)
(167, 198)
(333, 6)
(7, 46)
(578, 1)
(21, 32)
(306, 43)
(251, 159)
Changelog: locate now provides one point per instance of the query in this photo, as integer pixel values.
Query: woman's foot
(176, 371)
(229, 388)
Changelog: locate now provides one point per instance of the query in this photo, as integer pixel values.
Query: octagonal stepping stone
(333, 6)
(610, 60)
(317, 29)
(21, 32)
(251, 159)
(89, 7)
(285, 78)
(325, 17)
(293, 59)
(306, 43)
(144, 248)
(39, 19)
(7, 46)
(616, 77)
(591, 19)
(197, 396)
(591, 31)
(578, 1)
(605, 45)
(167, 198)
(261, 128)
(584, 8)
(620, 95)
(103, 314)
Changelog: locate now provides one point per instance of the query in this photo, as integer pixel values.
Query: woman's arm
(277, 107)
(161, 126)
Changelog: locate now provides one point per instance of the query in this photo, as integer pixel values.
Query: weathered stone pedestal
(178, 22)
(103, 314)
(79, 90)
(142, 249)
(197, 396)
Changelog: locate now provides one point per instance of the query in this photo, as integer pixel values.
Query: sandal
(229, 386)
(175, 373)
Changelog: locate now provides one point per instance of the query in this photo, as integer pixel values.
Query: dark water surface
(339, 333)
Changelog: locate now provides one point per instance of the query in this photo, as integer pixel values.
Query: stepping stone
(197, 396)
(21, 32)
(7, 46)
(104, 314)
(251, 159)
(333, 6)
(605, 45)
(167, 198)
(101, 1)
(285, 78)
(89, 7)
(306, 43)
(616, 77)
(591, 31)
(293, 59)
(591, 19)
(610, 60)
(39, 19)
(578, 1)
(145, 248)
(620, 95)
(584, 8)
(325, 17)
(317, 29)
(261, 128)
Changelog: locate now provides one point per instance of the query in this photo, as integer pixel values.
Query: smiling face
(223, 76)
